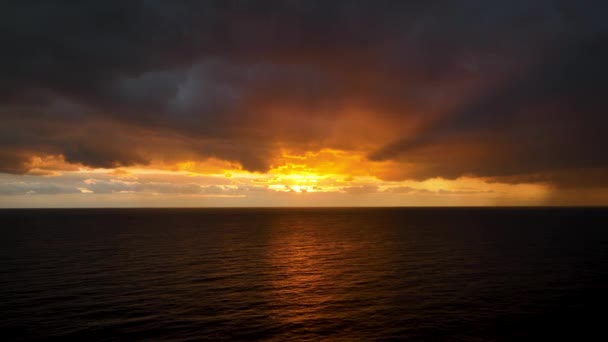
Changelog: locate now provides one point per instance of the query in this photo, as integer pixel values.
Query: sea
(304, 274)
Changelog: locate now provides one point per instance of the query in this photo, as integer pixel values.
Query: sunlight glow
(340, 177)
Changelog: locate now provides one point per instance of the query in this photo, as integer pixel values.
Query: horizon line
(327, 207)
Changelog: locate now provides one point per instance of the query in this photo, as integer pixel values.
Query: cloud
(13, 162)
(500, 90)
(362, 189)
(406, 190)
(118, 186)
(34, 188)
(410, 190)
(463, 192)
(548, 120)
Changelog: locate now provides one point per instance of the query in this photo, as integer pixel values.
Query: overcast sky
(254, 103)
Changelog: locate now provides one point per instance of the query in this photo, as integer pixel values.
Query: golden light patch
(337, 177)
(206, 166)
(49, 165)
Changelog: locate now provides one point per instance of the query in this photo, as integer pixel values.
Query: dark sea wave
(432, 274)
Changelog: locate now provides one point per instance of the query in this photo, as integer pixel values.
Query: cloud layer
(509, 91)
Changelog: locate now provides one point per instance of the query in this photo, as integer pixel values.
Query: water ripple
(303, 274)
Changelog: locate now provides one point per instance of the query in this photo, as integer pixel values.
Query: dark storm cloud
(12, 162)
(118, 83)
(551, 118)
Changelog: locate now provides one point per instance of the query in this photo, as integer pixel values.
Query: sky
(303, 103)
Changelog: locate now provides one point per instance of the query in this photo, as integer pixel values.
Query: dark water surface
(304, 274)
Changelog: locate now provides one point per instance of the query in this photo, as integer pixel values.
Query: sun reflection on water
(304, 279)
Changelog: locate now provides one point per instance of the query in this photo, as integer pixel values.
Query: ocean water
(433, 274)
